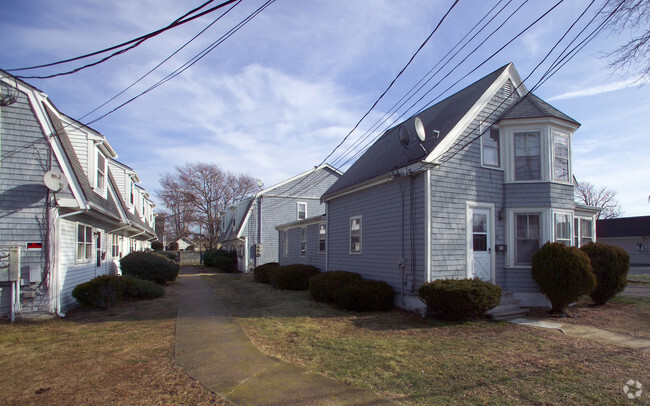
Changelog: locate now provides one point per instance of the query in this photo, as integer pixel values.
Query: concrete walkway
(588, 332)
(213, 349)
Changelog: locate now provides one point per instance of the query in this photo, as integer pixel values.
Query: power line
(136, 42)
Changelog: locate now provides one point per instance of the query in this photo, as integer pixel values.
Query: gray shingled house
(630, 233)
(472, 187)
(64, 216)
(249, 226)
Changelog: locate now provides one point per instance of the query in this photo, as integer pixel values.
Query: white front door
(480, 243)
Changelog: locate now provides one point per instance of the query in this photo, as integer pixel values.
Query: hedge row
(106, 291)
(150, 266)
(222, 259)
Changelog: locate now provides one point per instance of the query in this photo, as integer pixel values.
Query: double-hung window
(115, 246)
(101, 171)
(583, 231)
(527, 235)
(303, 241)
(302, 211)
(560, 157)
(84, 243)
(528, 162)
(492, 148)
(355, 235)
(563, 228)
(321, 238)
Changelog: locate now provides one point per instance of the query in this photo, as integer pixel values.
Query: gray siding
(556, 195)
(312, 256)
(386, 232)
(25, 157)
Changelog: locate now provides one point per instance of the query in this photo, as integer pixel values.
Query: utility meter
(9, 264)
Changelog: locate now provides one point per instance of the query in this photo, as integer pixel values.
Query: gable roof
(239, 213)
(623, 227)
(531, 106)
(388, 154)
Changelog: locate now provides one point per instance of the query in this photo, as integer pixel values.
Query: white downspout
(427, 225)
(57, 244)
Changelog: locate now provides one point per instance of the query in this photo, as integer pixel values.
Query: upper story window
(560, 157)
(101, 171)
(303, 241)
(491, 148)
(302, 211)
(563, 228)
(355, 235)
(528, 162)
(321, 238)
(131, 193)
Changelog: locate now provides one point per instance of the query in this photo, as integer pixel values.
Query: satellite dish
(404, 136)
(419, 129)
(55, 181)
(260, 183)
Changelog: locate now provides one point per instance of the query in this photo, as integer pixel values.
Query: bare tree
(599, 196)
(179, 210)
(632, 16)
(205, 191)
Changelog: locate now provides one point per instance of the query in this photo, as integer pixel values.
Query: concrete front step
(507, 309)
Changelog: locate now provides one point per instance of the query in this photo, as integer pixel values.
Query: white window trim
(593, 229)
(500, 167)
(545, 221)
(553, 231)
(285, 242)
(360, 235)
(555, 133)
(322, 239)
(298, 204)
(95, 167)
(85, 260)
(303, 232)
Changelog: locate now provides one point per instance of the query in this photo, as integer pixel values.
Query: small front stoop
(507, 309)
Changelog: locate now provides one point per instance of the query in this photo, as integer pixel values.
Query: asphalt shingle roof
(623, 227)
(531, 106)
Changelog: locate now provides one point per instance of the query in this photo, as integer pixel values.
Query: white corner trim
(427, 225)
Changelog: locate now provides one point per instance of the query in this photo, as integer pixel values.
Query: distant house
(65, 205)
(630, 233)
(471, 187)
(249, 227)
(185, 243)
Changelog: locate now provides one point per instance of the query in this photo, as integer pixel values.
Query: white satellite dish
(55, 181)
(404, 136)
(260, 184)
(419, 129)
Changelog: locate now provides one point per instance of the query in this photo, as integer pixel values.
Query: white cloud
(596, 90)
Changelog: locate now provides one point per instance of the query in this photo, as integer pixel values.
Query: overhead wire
(137, 41)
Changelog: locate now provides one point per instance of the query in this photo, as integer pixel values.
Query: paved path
(212, 348)
(637, 290)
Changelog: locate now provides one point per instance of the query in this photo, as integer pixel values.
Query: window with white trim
(303, 241)
(583, 232)
(528, 161)
(560, 157)
(322, 232)
(302, 210)
(132, 193)
(84, 243)
(115, 246)
(285, 244)
(491, 148)
(98, 248)
(562, 226)
(527, 237)
(355, 235)
(101, 171)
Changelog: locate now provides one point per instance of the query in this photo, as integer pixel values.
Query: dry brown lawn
(124, 356)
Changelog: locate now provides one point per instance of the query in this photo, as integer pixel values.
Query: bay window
(560, 157)
(562, 225)
(528, 163)
(527, 237)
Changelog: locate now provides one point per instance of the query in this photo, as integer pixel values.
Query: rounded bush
(610, 265)
(172, 256)
(139, 289)
(102, 292)
(150, 267)
(292, 277)
(222, 259)
(261, 272)
(459, 299)
(365, 296)
(563, 274)
(323, 286)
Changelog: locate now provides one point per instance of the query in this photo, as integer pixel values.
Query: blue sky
(276, 98)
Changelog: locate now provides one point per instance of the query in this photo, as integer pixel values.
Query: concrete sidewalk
(213, 349)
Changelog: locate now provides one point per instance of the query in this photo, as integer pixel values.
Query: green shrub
(292, 277)
(139, 289)
(157, 246)
(222, 259)
(365, 296)
(563, 274)
(610, 265)
(172, 256)
(323, 286)
(102, 292)
(459, 299)
(150, 267)
(261, 272)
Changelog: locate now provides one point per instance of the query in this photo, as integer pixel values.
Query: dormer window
(528, 162)
(101, 171)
